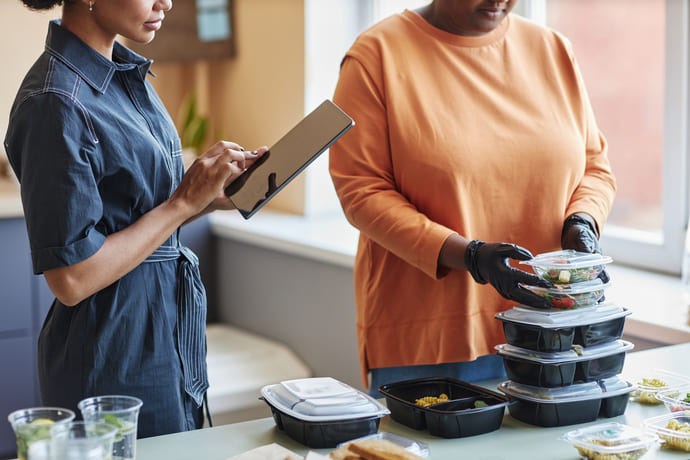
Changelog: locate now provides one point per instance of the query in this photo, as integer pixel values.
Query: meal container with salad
(652, 382)
(612, 441)
(676, 399)
(558, 330)
(577, 403)
(571, 295)
(568, 266)
(673, 429)
(322, 412)
(563, 368)
(456, 409)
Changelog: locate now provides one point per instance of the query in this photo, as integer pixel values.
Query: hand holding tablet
(288, 157)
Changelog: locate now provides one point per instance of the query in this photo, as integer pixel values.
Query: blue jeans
(483, 368)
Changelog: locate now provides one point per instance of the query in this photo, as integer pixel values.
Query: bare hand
(202, 186)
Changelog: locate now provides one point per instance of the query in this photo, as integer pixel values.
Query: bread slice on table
(373, 449)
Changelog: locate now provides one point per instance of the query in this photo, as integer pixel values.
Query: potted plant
(193, 129)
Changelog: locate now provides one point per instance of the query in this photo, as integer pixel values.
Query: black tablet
(288, 157)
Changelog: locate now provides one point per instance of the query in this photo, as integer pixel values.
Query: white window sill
(660, 306)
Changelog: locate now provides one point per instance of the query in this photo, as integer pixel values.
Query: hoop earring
(90, 5)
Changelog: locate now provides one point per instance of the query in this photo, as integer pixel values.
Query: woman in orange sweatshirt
(472, 125)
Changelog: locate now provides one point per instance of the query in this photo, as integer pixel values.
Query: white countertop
(513, 440)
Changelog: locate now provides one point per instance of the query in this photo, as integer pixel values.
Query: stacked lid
(564, 363)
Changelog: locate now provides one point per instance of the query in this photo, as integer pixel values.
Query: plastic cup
(34, 424)
(121, 411)
(81, 441)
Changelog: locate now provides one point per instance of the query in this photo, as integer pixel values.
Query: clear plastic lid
(321, 399)
(673, 427)
(556, 318)
(610, 439)
(582, 354)
(571, 393)
(657, 380)
(567, 259)
(676, 398)
(616, 385)
(572, 289)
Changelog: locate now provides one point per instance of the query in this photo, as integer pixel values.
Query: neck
(77, 18)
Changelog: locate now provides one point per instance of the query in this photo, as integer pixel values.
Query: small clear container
(673, 429)
(568, 266)
(611, 441)
(676, 399)
(652, 382)
(572, 295)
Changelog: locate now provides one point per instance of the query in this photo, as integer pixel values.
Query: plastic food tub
(676, 399)
(571, 295)
(558, 330)
(673, 429)
(322, 412)
(611, 441)
(470, 410)
(412, 445)
(654, 381)
(568, 266)
(565, 367)
(577, 403)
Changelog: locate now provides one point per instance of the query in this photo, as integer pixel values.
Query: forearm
(452, 254)
(121, 253)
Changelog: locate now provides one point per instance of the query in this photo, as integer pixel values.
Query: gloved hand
(488, 262)
(580, 233)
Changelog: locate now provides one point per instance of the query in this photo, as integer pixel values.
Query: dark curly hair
(44, 4)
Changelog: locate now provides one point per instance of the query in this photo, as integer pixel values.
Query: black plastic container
(578, 403)
(456, 418)
(563, 368)
(321, 435)
(322, 412)
(558, 330)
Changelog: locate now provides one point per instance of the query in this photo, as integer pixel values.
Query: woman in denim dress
(104, 193)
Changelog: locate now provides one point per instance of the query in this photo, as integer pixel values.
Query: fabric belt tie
(191, 318)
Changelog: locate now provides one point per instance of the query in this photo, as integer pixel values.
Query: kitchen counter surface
(514, 440)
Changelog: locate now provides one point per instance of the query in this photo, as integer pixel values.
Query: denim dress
(94, 150)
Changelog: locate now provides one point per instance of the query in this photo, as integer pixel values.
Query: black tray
(456, 419)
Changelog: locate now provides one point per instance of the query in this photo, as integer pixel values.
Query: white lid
(611, 438)
(321, 399)
(557, 318)
(676, 395)
(585, 354)
(616, 385)
(567, 259)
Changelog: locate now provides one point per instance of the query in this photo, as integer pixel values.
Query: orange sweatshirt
(492, 137)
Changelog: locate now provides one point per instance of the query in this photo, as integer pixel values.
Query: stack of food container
(563, 363)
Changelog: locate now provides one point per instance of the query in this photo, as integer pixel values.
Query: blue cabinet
(18, 317)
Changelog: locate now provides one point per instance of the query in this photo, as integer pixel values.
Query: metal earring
(90, 5)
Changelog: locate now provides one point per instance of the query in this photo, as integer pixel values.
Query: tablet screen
(287, 158)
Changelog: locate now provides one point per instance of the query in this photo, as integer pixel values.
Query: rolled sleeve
(55, 166)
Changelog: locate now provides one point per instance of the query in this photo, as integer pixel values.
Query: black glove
(488, 262)
(580, 233)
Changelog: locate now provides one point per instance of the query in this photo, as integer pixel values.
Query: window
(633, 56)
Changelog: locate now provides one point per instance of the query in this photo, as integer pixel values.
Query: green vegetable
(479, 403)
(687, 398)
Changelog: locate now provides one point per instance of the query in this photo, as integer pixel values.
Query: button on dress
(94, 149)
